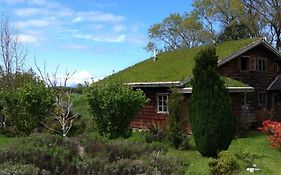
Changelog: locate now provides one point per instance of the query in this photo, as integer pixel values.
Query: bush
(18, 169)
(90, 154)
(155, 133)
(273, 130)
(225, 164)
(176, 130)
(211, 114)
(113, 105)
(25, 105)
(47, 152)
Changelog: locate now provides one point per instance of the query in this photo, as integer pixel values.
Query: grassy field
(267, 158)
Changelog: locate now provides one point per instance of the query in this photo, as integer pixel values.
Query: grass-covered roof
(175, 65)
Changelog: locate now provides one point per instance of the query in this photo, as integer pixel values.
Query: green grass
(174, 65)
(6, 140)
(229, 82)
(80, 105)
(267, 158)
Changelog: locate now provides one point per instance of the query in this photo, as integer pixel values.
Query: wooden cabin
(250, 68)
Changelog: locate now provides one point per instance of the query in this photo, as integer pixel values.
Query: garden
(47, 130)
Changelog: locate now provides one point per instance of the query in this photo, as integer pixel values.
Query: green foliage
(90, 154)
(176, 65)
(113, 105)
(156, 132)
(225, 164)
(25, 103)
(211, 114)
(176, 125)
(18, 169)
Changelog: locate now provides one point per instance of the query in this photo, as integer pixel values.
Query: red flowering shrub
(273, 130)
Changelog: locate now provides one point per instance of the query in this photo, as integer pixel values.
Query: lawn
(267, 158)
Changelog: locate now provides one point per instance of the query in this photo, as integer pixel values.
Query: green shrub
(49, 152)
(18, 169)
(211, 115)
(113, 105)
(176, 130)
(225, 164)
(25, 104)
(156, 132)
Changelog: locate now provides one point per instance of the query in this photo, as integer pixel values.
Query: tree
(177, 31)
(211, 114)
(234, 32)
(62, 113)
(11, 50)
(230, 15)
(176, 128)
(113, 105)
(270, 11)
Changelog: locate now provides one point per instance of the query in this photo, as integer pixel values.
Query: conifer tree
(211, 114)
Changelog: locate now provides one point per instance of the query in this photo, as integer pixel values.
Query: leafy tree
(211, 114)
(176, 31)
(234, 32)
(270, 13)
(113, 105)
(176, 129)
(25, 103)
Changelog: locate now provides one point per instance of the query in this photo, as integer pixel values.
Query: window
(275, 67)
(244, 63)
(262, 98)
(261, 65)
(162, 103)
(244, 104)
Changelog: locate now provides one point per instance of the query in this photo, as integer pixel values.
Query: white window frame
(161, 95)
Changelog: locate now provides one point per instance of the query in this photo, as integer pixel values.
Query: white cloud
(28, 38)
(74, 47)
(26, 12)
(32, 2)
(34, 23)
(80, 77)
(96, 16)
(110, 39)
(119, 28)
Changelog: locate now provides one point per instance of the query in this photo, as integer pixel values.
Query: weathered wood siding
(148, 114)
(259, 80)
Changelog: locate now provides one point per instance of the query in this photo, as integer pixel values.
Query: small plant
(18, 169)
(225, 164)
(273, 130)
(176, 132)
(156, 132)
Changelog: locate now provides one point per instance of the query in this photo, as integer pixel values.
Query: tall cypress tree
(211, 114)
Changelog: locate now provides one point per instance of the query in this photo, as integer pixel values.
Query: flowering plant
(273, 130)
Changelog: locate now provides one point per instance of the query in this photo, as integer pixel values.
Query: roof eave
(154, 84)
(230, 90)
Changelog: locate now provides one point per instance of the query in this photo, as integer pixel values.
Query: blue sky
(93, 37)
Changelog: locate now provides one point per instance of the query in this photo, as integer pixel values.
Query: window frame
(163, 106)
(263, 66)
(263, 104)
(244, 101)
(275, 67)
(247, 63)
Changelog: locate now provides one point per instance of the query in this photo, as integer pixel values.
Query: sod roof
(177, 65)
